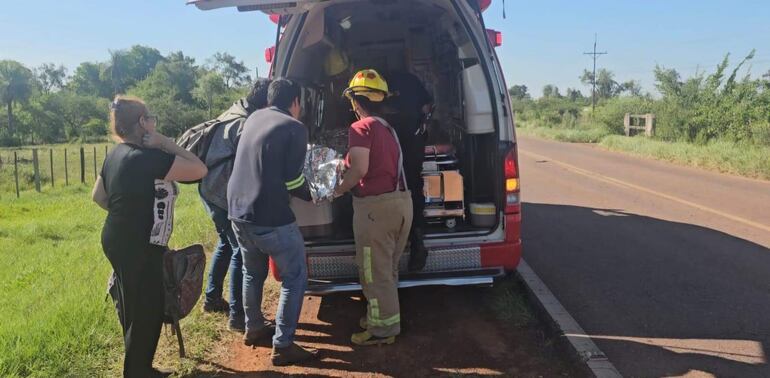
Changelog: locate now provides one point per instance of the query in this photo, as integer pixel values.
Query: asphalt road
(667, 268)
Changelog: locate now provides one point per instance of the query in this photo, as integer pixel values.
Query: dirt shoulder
(446, 332)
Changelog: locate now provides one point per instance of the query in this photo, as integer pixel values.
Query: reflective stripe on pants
(381, 227)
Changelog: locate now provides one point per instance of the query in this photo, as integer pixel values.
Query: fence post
(50, 154)
(105, 153)
(16, 172)
(36, 165)
(94, 163)
(66, 170)
(82, 166)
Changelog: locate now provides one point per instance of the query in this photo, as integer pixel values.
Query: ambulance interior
(428, 39)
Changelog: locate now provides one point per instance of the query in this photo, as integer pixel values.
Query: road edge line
(580, 344)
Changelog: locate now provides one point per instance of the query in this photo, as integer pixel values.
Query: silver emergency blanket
(323, 170)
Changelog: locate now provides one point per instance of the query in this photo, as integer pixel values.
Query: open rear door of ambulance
(267, 6)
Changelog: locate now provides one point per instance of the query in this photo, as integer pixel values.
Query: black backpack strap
(178, 331)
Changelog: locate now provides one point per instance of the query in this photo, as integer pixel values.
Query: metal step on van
(321, 43)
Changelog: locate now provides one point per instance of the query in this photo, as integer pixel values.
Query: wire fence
(24, 170)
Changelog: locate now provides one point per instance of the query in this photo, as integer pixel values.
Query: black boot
(418, 254)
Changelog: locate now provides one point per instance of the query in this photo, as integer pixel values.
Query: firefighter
(410, 108)
(382, 207)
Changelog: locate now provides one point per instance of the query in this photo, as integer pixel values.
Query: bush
(557, 112)
(611, 113)
(760, 133)
(95, 128)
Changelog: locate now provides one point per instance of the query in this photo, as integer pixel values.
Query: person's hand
(155, 140)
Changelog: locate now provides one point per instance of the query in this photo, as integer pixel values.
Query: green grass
(722, 156)
(508, 301)
(577, 135)
(55, 320)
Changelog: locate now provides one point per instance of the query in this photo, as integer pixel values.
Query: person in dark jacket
(411, 104)
(213, 190)
(268, 170)
(139, 170)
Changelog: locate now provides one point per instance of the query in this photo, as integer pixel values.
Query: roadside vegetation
(718, 120)
(47, 104)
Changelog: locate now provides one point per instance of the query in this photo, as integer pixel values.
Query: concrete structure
(634, 123)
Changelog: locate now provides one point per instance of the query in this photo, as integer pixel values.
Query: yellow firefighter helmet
(369, 84)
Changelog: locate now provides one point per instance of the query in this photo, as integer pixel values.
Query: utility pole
(594, 55)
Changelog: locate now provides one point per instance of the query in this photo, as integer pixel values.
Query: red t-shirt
(383, 157)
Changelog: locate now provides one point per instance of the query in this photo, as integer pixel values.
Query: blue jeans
(287, 249)
(226, 255)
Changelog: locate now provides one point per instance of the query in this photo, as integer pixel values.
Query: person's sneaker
(237, 325)
(366, 338)
(217, 305)
(254, 337)
(292, 354)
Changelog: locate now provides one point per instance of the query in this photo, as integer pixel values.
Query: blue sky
(543, 40)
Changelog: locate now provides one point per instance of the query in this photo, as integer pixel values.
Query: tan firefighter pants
(381, 227)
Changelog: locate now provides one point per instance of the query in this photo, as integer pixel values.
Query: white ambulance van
(321, 43)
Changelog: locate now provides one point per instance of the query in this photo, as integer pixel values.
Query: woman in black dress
(136, 187)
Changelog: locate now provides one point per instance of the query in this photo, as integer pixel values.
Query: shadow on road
(660, 298)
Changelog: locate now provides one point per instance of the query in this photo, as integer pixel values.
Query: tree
(168, 93)
(208, 88)
(551, 91)
(667, 81)
(128, 67)
(234, 72)
(63, 115)
(518, 92)
(606, 86)
(51, 77)
(16, 84)
(574, 95)
(89, 80)
(632, 87)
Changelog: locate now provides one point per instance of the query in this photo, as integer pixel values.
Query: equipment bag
(197, 139)
(182, 282)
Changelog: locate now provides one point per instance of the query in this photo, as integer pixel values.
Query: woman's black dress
(129, 173)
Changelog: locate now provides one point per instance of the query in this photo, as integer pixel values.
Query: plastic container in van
(483, 214)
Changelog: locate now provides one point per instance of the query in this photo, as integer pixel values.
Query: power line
(594, 55)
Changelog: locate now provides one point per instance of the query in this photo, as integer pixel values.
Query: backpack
(182, 281)
(197, 139)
